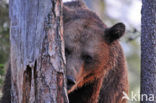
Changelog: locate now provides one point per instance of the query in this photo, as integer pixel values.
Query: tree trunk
(148, 50)
(37, 52)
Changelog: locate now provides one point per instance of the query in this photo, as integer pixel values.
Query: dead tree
(148, 51)
(37, 52)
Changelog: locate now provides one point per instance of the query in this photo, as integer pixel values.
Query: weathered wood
(37, 52)
(148, 50)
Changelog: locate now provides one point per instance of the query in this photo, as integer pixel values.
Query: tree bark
(37, 52)
(148, 49)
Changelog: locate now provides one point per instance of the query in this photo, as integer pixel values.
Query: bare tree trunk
(148, 50)
(37, 52)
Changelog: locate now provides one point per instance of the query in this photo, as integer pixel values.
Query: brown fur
(94, 57)
(105, 78)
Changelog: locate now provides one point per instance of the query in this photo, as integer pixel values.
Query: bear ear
(75, 4)
(115, 32)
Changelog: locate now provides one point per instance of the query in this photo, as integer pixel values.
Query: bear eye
(67, 52)
(87, 58)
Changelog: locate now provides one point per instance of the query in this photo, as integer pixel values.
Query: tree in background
(148, 49)
(37, 52)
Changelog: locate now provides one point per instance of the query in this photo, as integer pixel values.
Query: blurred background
(4, 40)
(111, 12)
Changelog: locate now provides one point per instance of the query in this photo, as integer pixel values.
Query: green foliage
(4, 38)
(2, 70)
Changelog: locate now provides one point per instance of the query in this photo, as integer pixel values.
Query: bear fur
(96, 65)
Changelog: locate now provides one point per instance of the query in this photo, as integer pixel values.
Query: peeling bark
(37, 52)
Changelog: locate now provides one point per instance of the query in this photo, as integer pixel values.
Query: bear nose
(70, 81)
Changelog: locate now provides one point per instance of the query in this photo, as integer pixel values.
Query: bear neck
(88, 93)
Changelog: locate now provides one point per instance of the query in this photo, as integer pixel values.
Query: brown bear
(96, 66)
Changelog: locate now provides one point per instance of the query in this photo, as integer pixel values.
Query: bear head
(87, 45)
